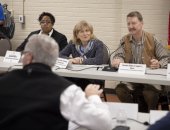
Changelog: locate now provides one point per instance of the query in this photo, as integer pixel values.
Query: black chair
(106, 59)
(164, 98)
(5, 44)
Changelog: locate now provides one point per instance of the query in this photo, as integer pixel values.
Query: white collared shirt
(49, 34)
(89, 112)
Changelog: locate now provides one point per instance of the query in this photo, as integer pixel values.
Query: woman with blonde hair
(84, 48)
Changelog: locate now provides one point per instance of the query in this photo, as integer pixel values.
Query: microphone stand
(109, 67)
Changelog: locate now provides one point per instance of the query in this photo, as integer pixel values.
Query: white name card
(168, 71)
(62, 63)
(156, 115)
(127, 68)
(12, 57)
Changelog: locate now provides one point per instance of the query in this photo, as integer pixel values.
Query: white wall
(108, 17)
(155, 14)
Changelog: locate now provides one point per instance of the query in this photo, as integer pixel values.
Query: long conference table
(157, 76)
(152, 76)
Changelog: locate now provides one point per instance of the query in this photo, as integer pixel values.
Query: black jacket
(30, 99)
(58, 37)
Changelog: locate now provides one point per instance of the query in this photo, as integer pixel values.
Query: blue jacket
(2, 17)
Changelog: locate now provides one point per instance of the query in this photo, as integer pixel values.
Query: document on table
(156, 71)
(131, 109)
(155, 115)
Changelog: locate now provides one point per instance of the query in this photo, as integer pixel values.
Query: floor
(111, 98)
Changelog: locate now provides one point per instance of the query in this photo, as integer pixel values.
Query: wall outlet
(21, 18)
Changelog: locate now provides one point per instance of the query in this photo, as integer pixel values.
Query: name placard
(62, 63)
(12, 57)
(168, 71)
(128, 68)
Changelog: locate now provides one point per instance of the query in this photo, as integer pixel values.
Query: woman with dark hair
(47, 21)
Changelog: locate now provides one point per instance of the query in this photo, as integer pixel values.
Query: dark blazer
(30, 99)
(58, 37)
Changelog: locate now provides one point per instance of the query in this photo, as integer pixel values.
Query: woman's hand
(77, 60)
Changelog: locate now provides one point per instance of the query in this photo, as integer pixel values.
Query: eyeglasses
(45, 22)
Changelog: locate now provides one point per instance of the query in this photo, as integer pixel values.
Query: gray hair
(43, 48)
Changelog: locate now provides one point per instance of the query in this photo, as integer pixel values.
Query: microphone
(109, 67)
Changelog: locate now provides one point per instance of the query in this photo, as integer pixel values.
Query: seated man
(139, 47)
(47, 21)
(34, 98)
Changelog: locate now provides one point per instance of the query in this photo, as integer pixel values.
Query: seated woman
(84, 48)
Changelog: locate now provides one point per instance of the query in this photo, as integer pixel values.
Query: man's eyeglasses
(45, 22)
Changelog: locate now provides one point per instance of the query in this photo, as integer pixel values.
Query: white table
(93, 73)
(158, 76)
(142, 117)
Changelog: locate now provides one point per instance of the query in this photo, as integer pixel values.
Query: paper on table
(156, 71)
(130, 109)
(155, 115)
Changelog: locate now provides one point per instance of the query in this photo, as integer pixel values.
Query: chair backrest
(5, 45)
(106, 57)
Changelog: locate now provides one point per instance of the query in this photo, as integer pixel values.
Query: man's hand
(154, 64)
(115, 62)
(93, 89)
